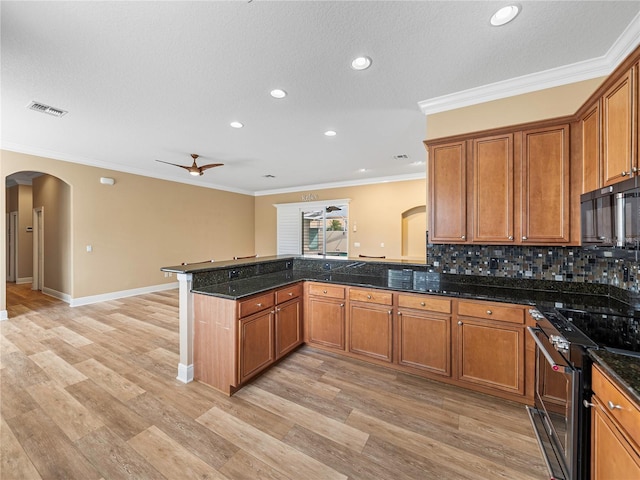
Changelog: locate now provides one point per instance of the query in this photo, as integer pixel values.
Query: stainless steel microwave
(610, 216)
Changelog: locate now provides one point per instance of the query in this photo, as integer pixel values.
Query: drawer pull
(489, 312)
(390, 312)
(459, 322)
(422, 304)
(369, 297)
(342, 304)
(324, 291)
(258, 304)
(291, 294)
(613, 406)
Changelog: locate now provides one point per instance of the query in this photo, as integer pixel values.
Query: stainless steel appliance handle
(550, 360)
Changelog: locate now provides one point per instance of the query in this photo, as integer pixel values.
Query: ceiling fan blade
(211, 165)
(174, 164)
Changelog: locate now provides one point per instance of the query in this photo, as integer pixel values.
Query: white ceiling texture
(163, 79)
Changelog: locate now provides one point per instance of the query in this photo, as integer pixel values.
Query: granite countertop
(624, 369)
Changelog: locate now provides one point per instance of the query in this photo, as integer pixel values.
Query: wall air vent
(41, 107)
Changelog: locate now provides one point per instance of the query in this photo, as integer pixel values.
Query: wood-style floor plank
(90, 393)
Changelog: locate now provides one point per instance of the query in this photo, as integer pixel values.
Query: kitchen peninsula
(380, 311)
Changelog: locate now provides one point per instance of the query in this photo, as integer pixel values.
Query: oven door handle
(556, 367)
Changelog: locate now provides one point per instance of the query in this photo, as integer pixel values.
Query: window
(314, 228)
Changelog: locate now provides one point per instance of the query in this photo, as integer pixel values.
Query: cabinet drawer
(371, 296)
(617, 404)
(424, 302)
(491, 311)
(255, 304)
(331, 291)
(287, 293)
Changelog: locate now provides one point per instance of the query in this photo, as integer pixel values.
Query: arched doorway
(414, 228)
(41, 245)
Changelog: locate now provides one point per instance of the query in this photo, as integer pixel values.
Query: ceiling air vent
(402, 156)
(41, 107)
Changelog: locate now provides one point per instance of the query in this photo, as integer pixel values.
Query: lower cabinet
(325, 315)
(371, 323)
(615, 431)
(490, 341)
(424, 334)
(236, 340)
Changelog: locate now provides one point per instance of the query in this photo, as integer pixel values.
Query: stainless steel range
(561, 417)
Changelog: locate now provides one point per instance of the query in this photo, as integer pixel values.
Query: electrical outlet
(327, 266)
(233, 274)
(166, 274)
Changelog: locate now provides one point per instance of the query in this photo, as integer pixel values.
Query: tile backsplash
(564, 264)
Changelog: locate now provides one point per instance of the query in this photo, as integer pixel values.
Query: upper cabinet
(448, 197)
(589, 125)
(619, 130)
(510, 187)
(545, 185)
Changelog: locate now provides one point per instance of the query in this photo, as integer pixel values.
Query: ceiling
(160, 80)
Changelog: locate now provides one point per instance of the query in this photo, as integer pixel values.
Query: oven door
(553, 417)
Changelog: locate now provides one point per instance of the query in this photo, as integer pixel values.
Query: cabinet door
(611, 455)
(448, 193)
(493, 197)
(545, 185)
(491, 354)
(590, 125)
(370, 331)
(255, 344)
(288, 327)
(617, 130)
(424, 341)
(326, 322)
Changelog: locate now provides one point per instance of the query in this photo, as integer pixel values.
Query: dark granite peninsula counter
(623, 369)
(237, 279)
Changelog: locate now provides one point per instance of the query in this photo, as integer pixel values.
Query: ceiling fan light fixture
(196, 173)
(505, 15)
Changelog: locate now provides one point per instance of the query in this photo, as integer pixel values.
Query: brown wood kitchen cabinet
(236, 340)
(506, 186)
(325, 315)
(545, 185)
(490, 346)
(371, 323)
(589, 125)
(448, 192)
(615, 431)
(619, 129)
(424, 334)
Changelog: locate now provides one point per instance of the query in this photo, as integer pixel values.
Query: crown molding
(628, 41)
(346, 183)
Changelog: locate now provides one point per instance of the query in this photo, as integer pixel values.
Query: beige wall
(376, 210)
(25, 239)
(529, 107)
(136, 226)
(53, 196)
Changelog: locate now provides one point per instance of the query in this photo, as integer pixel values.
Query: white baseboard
(65, 297)
(185, 373)
(4, 315)
(76, 302)
(24, 280)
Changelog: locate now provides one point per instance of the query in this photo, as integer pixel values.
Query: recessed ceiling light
(504, 15)
(236, 124)
(361, 63)
(277, 93)
(362, 170)
(417, 163)
(330, 133)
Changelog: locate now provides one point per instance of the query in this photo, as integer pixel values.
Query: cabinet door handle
(624, 174)
(278, 309)
(422, 304)
(524, 238)
(587, 404)
(613, 406)
(489, 312)
(510, 237)
(390, 312)
(463, 237)
(324, 291)
(634, 169)
(342, 304)
(369, 297)
(459, 322)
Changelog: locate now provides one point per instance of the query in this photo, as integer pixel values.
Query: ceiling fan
(194, 169)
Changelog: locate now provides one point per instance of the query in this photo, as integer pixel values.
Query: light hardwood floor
(90, 392)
